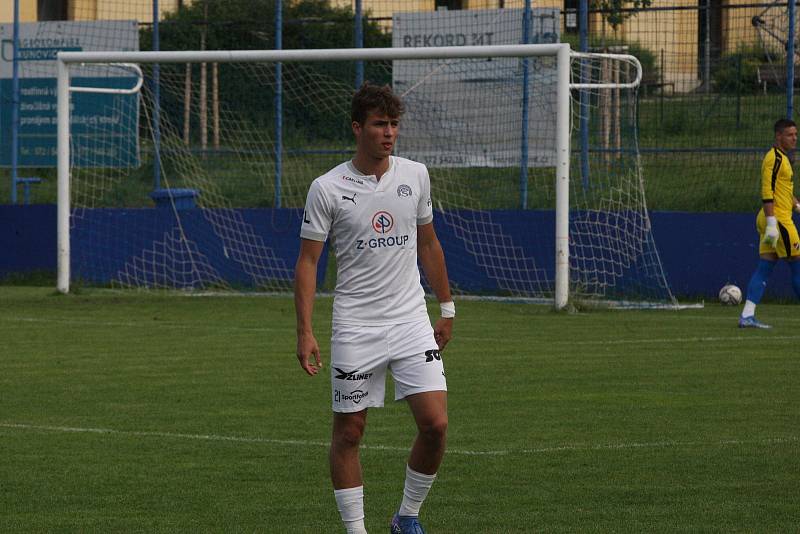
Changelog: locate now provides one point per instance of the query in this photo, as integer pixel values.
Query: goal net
(198, 182)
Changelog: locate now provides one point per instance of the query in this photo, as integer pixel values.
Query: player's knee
(350, 434)
(434, 429)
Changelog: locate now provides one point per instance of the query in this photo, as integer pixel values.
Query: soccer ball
(730, 295)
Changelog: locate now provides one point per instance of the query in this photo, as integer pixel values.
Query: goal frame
(561, 51)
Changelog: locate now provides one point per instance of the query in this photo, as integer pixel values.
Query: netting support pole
(561, 295)
(359, 42)
(523, 164)
(15, 105)
(790, 62)
(278, 103)
(62, 211)
(156, 104)
(583, 29)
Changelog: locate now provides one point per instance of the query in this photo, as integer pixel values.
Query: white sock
(350, 502)
(415, 491)
(749, 309)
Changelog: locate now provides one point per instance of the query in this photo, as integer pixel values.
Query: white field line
(740, 338)
(463, 452)
(672, 341)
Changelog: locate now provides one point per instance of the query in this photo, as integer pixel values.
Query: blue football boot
(405, 525)
(752, 322)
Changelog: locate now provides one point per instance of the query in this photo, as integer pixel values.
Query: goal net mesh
(225, 207)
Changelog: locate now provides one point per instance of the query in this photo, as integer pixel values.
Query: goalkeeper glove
(771, 233)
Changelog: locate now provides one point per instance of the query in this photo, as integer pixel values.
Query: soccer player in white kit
(376, 210)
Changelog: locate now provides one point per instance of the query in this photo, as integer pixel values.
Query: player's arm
(305, 287)
(431, 256)
(769, 173)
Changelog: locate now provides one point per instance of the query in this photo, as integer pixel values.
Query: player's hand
(443, 332)
(771, 232)
(308, 348)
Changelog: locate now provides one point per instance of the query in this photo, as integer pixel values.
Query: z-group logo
(382, 222)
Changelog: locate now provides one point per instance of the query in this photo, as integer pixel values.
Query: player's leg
(348, 485)
(358, 375)
(418, 373)
(756, 287)
(758, 281)
(794, 265)
(430, 414)
(348, 429)
(793, 253)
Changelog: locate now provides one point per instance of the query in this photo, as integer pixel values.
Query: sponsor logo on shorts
(351, 375)
(382, 242)
(433, 354)
(403, 190)
(355, 396)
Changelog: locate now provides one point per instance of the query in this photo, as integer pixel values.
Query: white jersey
(373, 229)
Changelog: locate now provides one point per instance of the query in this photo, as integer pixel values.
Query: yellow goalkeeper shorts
(788, 244)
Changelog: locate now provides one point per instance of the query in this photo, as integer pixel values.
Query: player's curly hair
(782, 124)
(375, 99)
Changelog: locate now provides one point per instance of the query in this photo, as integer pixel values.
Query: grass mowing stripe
(741, 337)
(135, 324)
(404, 450)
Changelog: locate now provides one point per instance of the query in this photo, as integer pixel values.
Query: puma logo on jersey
(351, 199)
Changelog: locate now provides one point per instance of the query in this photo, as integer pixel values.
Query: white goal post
(563, 115)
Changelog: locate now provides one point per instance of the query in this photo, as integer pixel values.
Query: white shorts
(360, 356)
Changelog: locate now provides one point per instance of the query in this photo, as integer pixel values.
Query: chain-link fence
(714, 75)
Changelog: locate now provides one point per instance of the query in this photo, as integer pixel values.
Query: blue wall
(27, 238)
(700, 252)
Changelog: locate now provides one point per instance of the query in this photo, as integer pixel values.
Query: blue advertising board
(103, 127)
(112, 117)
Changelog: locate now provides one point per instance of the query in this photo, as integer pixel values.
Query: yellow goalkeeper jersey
(777, 184)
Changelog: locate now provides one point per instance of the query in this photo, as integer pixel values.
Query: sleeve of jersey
(425, 206)
(768, 175)
(316, 216)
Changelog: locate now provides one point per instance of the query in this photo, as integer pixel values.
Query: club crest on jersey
(382, 222)
(403, 190)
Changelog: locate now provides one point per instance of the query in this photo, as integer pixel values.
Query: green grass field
(124, 412)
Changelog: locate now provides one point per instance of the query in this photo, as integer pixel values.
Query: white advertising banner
(470, 112)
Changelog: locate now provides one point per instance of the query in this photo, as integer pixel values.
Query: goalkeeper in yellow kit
(776, 229)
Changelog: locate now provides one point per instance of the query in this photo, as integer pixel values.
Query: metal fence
(715, 76)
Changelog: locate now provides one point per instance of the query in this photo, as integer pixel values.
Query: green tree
(616, 11)
(248, 90)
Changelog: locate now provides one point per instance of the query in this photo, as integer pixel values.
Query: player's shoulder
(409, 166)
(333, 178)
(771, 155)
